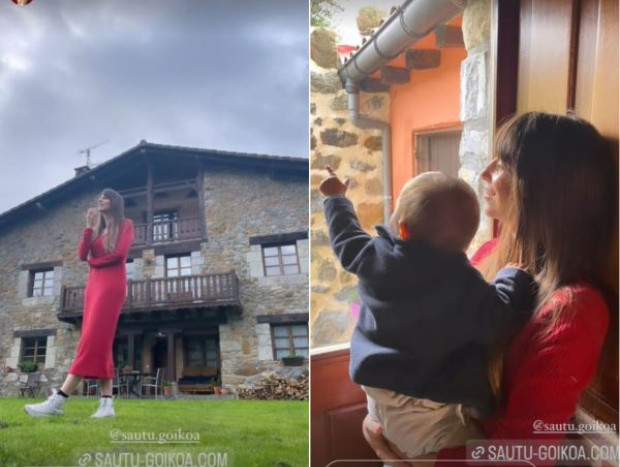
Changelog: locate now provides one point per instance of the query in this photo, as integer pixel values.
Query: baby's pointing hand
(332, 185)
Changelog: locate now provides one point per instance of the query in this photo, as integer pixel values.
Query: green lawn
(231, 433)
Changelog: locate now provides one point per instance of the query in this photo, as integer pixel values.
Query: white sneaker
(106, 409)
(54, 405)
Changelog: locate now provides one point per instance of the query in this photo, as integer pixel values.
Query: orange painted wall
(429, 101)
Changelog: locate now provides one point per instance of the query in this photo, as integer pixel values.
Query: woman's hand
(91, 215)
(374, 437)
(371, 429)
(332, 185)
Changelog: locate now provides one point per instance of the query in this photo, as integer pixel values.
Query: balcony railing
(169, 230)
(204, 290)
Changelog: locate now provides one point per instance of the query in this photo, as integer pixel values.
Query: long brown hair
(563, 205)
(116, 215)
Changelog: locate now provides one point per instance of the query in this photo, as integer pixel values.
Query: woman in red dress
(105, 243)
(552, 186)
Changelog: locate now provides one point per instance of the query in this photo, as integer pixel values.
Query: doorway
(160, 352)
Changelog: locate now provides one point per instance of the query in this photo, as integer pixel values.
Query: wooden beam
(373, 85)
(177, 247)
(177, 324)
(170, 363)
(125, 332)
(42, 265)
(279, 238)
(130, 350)
(395, 75)
(449, 36)
(422, 59)
(149, 203)
(507, 62)
(283, 318)
(35, 333)
(200, 179)
(159, 188)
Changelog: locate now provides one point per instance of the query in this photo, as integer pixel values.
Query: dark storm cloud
(229, 75)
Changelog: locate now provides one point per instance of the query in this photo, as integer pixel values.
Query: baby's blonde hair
(437, 208)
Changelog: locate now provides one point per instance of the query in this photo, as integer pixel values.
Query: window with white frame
(280, 260)
(34, 349)
(41, 282)
(179, 265)
(289, 340)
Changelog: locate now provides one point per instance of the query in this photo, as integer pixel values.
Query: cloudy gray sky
(230, 75)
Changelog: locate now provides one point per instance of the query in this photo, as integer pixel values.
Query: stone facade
(51, 236)
(260, 206)
(476, 103)
(240, 203)
(353, 153)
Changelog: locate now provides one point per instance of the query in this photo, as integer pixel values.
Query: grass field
(158, 433)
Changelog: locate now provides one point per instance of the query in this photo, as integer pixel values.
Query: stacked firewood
(275, 387)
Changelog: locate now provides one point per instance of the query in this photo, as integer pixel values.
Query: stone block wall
(261, 205)
(353, 153)
(476, 103)
(52, 235)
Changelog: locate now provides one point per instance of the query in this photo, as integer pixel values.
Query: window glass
(42, 283)
(280, 260)
(34, 349)
(290, 339)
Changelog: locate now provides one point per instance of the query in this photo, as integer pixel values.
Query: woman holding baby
(551, 186)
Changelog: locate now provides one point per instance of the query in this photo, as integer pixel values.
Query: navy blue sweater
(427, 315)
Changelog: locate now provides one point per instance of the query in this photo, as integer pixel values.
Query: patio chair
(155, 382)
(91, 383)
(31, 385)
(119, 383)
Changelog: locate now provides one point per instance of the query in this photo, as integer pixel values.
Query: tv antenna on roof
(87, 151)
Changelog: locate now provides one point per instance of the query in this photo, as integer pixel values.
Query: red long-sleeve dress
(103, 299)
(544, 373)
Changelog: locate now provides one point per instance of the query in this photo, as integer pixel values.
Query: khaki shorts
(420, 426)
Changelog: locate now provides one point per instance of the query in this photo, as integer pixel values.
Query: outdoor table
(133, 378)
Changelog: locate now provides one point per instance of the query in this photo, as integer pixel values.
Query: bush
(28, 367)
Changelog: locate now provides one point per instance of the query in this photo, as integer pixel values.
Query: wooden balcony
(172, 230)
(166, 293)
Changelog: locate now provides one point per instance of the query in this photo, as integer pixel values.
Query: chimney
(80, 170)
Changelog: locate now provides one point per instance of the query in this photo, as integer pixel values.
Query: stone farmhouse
(217, 276)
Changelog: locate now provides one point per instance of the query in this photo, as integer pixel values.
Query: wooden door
(438, 152)
(564, 55)
(337, 409)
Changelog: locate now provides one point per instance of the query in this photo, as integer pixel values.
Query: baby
(420, 344)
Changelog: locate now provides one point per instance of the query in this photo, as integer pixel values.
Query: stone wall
(51, 235)
(353, 153)
(476, 103)
(239, 204)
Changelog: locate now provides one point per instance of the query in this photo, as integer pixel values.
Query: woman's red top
(544, 374)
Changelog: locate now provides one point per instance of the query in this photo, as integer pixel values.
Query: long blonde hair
(562, 211)
(116, 215)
